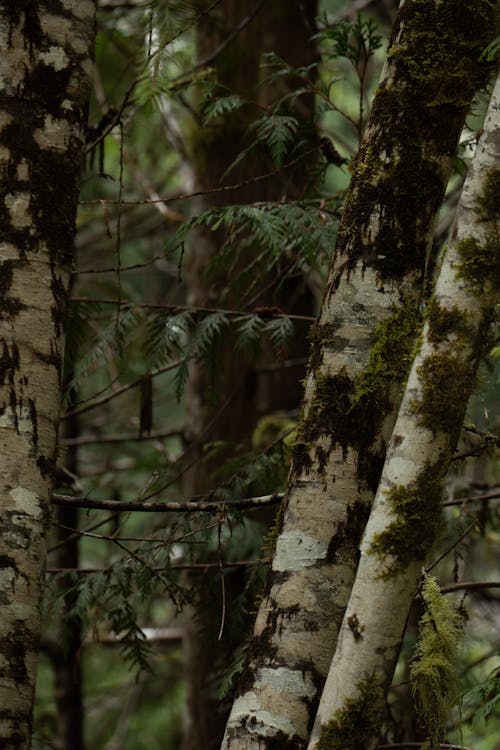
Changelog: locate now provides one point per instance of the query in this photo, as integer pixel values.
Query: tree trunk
(44, 90)
(360, 356)
(407, 510)
(284, 28)
(68, 676)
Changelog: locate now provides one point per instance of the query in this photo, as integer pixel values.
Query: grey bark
(44, 89)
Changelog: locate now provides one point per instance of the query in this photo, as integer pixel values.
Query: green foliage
(433, 671)
(166, 335)
(221, 106)
(278, 133)
(356, 41)
(491, 51)
(78, 318)
(289, 236)
(483, 698)
(249, 331)
(109, 342)
(256, 243)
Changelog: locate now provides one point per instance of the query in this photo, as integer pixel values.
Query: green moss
(355, 726)
(489, 202)
(479, 263)
(327, 416)
(400, 173)
(447, 383)
(390, 355)
(348, 412)
(270, 540)
(447, 41)
(348, 534)
(433, 671)
(417, 508)
(321, 335)
(444, 323)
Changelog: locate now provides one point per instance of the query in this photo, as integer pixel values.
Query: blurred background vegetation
(170, 126)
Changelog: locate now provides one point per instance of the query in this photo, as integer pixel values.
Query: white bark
(453, 340)
(44, 86)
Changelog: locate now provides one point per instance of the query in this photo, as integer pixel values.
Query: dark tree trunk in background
(285, 28)
(68, 676)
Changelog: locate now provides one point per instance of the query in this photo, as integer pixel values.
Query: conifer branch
(119, 391)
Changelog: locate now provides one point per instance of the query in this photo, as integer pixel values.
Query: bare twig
(128, 437)
(469, 585)
(119, 391)
(167, 506)
(473, 498)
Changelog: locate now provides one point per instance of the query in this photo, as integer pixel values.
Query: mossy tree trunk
(407, 509)
(44, 89)
(360, 357)
(242, 396)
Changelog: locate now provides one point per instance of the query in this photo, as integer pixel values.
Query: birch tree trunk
(44, 88)
(360, 354)
(407, 510)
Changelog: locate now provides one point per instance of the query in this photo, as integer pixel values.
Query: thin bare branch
(175, 308)
(166, 506)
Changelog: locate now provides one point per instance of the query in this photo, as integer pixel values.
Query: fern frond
(167, 335)
(111, 339)
(280, 331)
(223, 105)
(277, 133)
(208, 330)
(249, 330)
(484, 697)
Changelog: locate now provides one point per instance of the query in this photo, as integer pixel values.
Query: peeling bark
(44, 88)
(407, 508)
(361, 352)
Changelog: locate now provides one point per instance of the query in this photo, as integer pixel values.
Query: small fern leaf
(280, 331)
(249, 333)
(221, 106)
(278, 133)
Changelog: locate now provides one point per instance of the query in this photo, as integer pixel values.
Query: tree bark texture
(407, 509)
(361, 354)
(285, 28)
(45, 66)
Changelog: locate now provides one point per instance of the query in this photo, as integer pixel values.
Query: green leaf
(249, 329)
(223, 105)
(280, 331)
